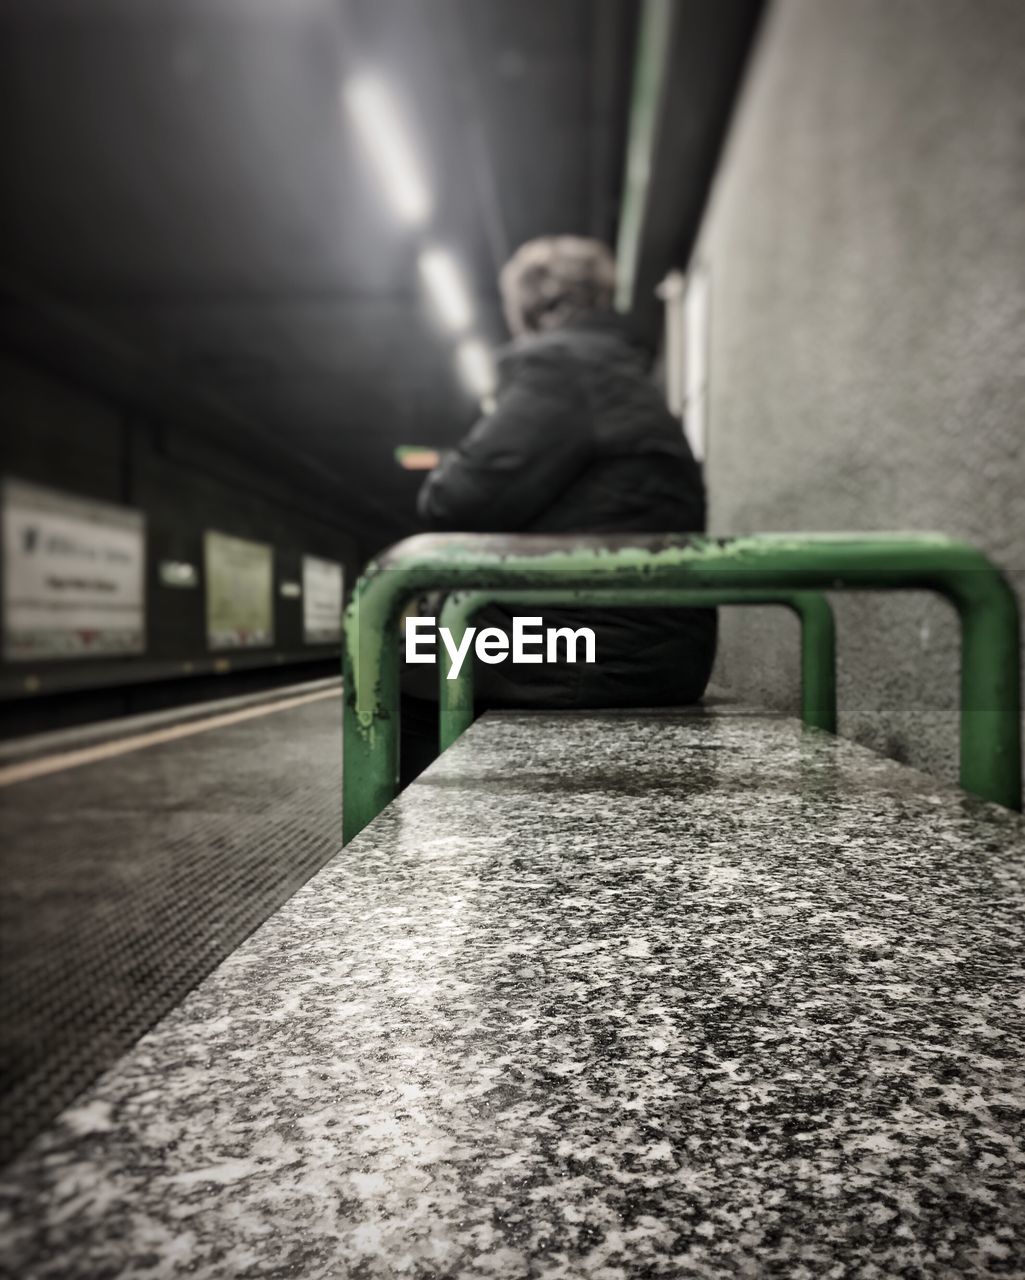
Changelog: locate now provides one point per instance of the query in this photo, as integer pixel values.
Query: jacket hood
(608, 324)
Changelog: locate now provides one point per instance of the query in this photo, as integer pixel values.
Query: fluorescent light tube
(447, 288)
(473, 360)
(378, 119)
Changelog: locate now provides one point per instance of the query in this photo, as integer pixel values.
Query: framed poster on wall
(239, 592)
(322, 601)
(74, 576)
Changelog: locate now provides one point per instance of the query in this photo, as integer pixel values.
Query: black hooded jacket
(581, 442)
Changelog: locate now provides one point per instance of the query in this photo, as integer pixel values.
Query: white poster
(695, 417)
(322, 601)
(239, 592)
(74, 576)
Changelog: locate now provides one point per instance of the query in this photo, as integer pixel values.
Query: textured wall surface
(866, 249)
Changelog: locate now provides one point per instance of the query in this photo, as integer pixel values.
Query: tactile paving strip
(126, 882)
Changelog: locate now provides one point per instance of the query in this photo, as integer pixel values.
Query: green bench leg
(818, 659)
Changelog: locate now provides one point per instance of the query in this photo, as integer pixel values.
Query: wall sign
(322, 601)
(74, 576)
(239, 592)
(178, 574)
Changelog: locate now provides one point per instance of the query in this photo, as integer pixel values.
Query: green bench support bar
(814, 612)
(990, 752)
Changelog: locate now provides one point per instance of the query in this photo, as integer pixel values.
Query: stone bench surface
(604, 995)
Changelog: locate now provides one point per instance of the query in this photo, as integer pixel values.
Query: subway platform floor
(606, 995)
(136, 855)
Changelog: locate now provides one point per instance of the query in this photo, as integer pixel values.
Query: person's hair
(554, 280)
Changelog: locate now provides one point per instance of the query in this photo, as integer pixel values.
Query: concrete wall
(866, 249)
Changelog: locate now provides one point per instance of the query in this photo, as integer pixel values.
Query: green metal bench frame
(813, 610)
(990, 748)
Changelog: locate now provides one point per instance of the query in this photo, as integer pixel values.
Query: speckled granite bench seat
(610, 995)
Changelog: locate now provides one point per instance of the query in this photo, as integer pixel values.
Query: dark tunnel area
(210, 317)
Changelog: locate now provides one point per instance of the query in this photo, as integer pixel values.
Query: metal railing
(813, 610)
(990, 747)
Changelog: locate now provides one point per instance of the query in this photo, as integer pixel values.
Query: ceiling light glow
(375, 113)
(473, 359)
(447, 288)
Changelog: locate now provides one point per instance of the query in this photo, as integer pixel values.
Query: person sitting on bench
(579, 441)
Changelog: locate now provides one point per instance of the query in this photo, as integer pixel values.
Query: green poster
(239, 592)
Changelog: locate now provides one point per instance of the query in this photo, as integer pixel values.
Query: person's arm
(517, 461)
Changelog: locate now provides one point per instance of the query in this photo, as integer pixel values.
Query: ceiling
(192, 227)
